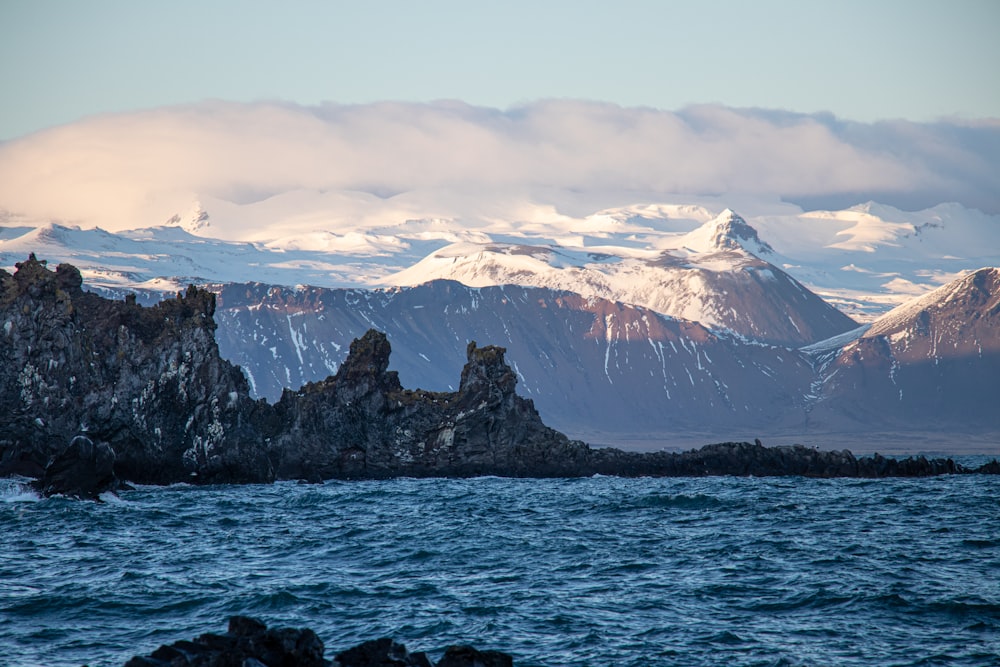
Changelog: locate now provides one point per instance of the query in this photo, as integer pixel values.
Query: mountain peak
(194, 220)
(727, 231)
(732, 232)
(968, 298)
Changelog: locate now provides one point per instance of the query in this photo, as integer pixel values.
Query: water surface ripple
(599, 571)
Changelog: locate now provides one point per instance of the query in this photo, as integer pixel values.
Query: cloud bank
(136, 169)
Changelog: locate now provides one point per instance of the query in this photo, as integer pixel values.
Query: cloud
(137, 169)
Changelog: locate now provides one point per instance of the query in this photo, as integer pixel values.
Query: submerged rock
(250, 643)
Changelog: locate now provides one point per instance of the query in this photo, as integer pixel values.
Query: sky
(122, 114)
(918, 60)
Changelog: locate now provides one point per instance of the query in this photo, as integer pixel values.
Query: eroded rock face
(362, 423)
(149, 382)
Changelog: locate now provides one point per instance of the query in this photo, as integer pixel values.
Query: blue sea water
(598, 571)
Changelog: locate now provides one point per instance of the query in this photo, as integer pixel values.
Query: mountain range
(656, 324)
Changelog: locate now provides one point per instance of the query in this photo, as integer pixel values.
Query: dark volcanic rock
(746, 459)
(83, 470)
(467, 656)
(149, 382)
(382, 652)
(362, 423)
(250, 643)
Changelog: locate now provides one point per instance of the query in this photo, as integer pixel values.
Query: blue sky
(863, 61)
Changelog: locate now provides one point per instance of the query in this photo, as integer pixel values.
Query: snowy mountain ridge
(865, 260)
(709, 276)
(943, 299)
(728, 231)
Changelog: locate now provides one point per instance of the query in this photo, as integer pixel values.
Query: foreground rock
(82, 470)
(149, 387)
(250, 643)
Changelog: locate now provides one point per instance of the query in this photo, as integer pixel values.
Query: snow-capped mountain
(169, 257)
(934, 360)
(713, 275)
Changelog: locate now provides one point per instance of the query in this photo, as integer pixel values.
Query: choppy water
(602, 571)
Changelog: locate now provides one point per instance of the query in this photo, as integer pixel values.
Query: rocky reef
(94, 390)
(249, 642)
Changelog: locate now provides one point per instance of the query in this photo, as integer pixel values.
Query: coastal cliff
(143, 395)
(149, 382)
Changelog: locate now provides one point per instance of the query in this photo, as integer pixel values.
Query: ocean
(565, 572)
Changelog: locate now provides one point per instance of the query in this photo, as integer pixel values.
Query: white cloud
(137, 169)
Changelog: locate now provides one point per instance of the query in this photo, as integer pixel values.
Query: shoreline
(895, 443)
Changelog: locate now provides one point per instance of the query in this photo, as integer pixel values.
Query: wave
(597, 571)
(17, 490)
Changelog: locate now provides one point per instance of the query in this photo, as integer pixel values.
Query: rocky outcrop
(149, 387)
(83, 470)
(362, 423)
(746, 459)
(149, 382)
(249, 642)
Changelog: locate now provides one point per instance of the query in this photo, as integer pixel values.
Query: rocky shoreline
(94, 391)
(249, 642)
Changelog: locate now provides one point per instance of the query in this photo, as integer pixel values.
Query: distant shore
(889, 443)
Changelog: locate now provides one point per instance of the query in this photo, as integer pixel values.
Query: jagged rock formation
(147, 381)
(250, 642)
(362, 423)
(148, 385)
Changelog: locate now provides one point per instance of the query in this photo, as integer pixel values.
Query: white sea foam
(17, 490)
